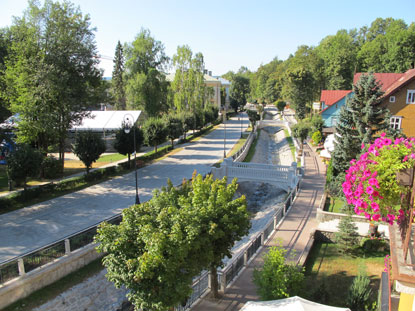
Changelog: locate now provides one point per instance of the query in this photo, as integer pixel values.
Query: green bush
(51, 167)
(316, 137)
(358, 296)
(374, 244)
(276, 279)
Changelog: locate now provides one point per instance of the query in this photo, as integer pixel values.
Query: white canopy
(288, 304)
(102, 121)
(325, 154)
(329, 142)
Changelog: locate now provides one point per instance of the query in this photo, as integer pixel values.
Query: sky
(229, 33)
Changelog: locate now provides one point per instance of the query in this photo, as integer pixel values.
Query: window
(395, 122)
(410, 97)
(392, 99)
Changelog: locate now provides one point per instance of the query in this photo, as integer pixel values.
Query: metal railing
(241, 153)
(200, 286)
(18, 266)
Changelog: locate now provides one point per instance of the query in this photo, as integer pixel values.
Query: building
(216, 84)
(331, 101)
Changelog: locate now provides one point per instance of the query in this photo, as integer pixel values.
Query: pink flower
(375, 206)
(362, 146)
(374, 182)
(383, 134)
(369, 190)
(405, 159)
(375, 217)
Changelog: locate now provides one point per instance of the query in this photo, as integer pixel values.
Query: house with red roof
(331, 102)
(399, 98)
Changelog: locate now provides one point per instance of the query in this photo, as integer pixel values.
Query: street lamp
(224, 137)
(128, 124)
(240, 118)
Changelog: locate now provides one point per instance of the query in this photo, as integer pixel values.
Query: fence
(241, 154)
(19, 266)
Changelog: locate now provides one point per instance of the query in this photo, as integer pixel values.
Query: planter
(405, 177)
(373, 230)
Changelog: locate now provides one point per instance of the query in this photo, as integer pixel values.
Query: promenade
(29, 228)
(293, 232)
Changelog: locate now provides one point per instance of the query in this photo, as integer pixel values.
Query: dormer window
(392, 99)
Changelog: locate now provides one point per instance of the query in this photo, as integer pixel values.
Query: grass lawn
(237, 146)
(290, 142)
(251, 151)
(51, 291)
(334, 204)
(329, 273)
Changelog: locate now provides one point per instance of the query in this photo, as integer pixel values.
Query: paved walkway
(29, 228)
(293, 232)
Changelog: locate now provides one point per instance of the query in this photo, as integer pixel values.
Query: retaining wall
(36, 279)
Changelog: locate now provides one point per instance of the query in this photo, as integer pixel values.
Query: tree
(146, 86)
(253, 117)
(23, 162)
(51, 72)
(239, 91)
(174, 127)
(347, 145)
(277, 279)
(156, 250)
(300, 131)
(154, 132)
(118, 86)
(188, 84)
(4, 43)
(88, 147)
(223, 219)
(281, 106)
(124, 142)
(368, 116)
(162, 244)
(347, 237)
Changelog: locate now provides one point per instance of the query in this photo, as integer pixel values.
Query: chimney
(205, 71)
(210, 73)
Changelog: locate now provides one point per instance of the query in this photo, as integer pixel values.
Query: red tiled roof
(407, 76)
(386, 79)
(330, 97)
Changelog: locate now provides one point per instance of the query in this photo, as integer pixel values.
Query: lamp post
(224, 137)
(128, 124)
(240, 117)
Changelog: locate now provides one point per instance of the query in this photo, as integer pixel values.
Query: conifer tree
(347, 144)
(368, 116)
(118, 87)
(347, 237)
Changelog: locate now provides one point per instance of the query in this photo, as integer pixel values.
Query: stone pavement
(293, 232)
(29, 228)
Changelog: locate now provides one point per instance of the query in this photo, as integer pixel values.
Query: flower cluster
(387, 261)
(371, 185)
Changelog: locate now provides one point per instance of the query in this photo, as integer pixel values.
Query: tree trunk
(155, 148)
(129, 160)
(214, 286)
(172, 143)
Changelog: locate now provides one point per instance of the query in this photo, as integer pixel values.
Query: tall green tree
(118, 85)
(239, 90)
(174, 127)
(188, 84)
(368, 116)
(146, 86)
(51, 72)
(4, 43)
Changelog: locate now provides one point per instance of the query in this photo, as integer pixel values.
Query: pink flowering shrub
(371, 185)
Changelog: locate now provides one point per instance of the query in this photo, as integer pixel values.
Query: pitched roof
(330, 97)
(386, 79)
(406, 77)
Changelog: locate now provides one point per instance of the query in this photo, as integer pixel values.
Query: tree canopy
(51, 72)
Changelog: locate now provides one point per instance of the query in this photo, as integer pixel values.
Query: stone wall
(95, 293)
